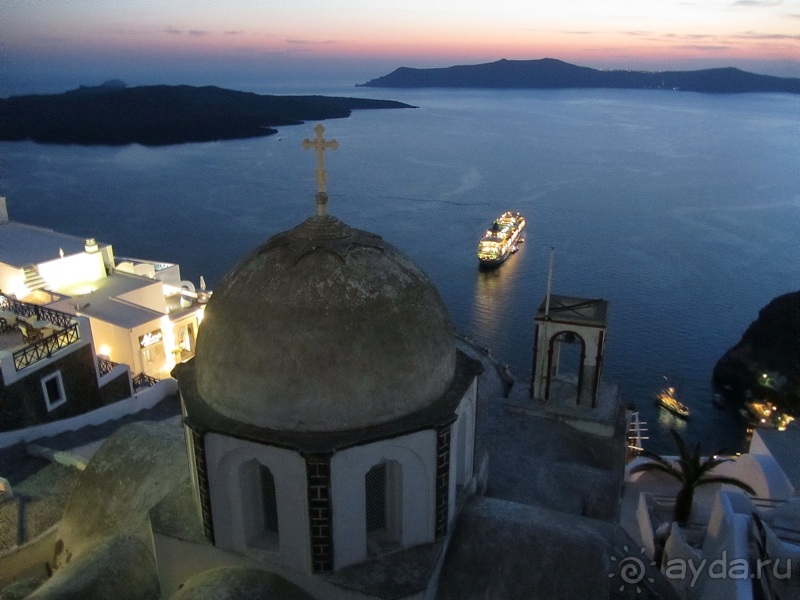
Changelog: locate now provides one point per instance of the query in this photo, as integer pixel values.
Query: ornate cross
(320, 145)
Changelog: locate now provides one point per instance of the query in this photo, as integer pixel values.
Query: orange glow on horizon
(414, 34)
(434, 51)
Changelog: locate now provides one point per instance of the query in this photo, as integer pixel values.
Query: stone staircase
(33, 281)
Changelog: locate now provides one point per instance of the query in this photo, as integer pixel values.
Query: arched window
(383, 491)
(566, 359)
(259, 506)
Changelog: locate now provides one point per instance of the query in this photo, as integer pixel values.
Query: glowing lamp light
(104, 350)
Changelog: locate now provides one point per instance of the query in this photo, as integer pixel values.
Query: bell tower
(568, 351)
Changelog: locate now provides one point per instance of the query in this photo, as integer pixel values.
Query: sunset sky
(205, 41)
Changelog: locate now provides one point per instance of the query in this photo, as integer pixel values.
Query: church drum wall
(416, 454)
(225, 456)
(462, 446)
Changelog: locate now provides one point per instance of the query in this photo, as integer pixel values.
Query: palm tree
(691, 471)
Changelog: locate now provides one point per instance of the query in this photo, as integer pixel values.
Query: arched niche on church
(383, 496)
(259, 500)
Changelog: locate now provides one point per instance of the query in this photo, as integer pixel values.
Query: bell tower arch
(568, 351)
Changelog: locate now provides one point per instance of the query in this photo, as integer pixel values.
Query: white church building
(347, 430)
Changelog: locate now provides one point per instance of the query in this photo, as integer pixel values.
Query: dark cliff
(770, 344)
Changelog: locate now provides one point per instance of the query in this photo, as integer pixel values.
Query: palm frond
(655, 457)
(682, 451)
(728, 480)
(662, 467)
(711, 463)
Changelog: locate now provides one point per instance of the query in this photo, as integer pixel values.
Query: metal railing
(26, 309)
(143, 381)
(44, 348)
(105, 366)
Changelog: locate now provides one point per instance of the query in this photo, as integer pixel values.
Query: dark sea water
(682, 210)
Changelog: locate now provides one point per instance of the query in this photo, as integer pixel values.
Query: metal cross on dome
(320, 145)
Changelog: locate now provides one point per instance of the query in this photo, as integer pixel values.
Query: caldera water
(680, 209)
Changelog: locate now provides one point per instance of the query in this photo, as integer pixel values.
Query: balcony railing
(44, 348)
(25, 309)
(143, 381)
(105, 366)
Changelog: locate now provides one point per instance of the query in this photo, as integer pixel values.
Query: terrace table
(44, 327)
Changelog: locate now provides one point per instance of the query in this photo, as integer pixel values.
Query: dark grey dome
(324, 328)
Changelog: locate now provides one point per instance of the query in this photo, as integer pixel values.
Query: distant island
(549, 73)
(114, 114)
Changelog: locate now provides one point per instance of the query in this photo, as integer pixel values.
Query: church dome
(324, 328)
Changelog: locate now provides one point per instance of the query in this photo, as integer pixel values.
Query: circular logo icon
(631, 569)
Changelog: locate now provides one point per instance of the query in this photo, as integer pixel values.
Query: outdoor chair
(5, 326)
(29, 334)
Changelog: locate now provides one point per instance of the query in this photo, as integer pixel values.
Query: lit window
(53, 389)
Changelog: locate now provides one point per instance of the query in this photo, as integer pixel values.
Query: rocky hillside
(771, 345)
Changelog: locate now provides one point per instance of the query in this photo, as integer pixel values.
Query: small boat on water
(765, 415)
(501, 239)
(666, 399)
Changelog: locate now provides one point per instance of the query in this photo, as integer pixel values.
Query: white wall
(119, 341)
(138, 364)
(416, 453)
(149, 296)
(73, 269)
(12, 280)
(729, 551)
(224, 456)
(171, 275)
(462, 446)
(761, 472)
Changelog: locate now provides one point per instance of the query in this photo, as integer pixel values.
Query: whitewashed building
(141, 313)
